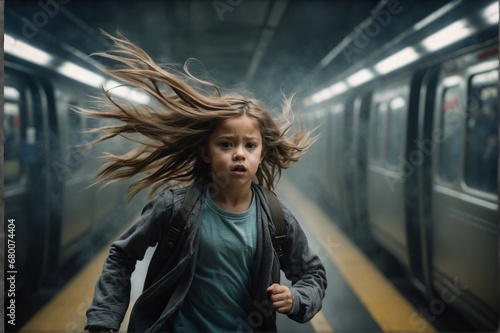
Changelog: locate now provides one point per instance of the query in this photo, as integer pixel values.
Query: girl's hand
(281, 297)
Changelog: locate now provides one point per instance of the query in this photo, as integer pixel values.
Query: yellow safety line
(66, 312)
(391, 311)
(320, 324)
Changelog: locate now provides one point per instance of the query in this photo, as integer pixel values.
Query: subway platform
(359, 298)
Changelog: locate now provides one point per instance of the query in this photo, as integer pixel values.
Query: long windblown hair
(171, 132)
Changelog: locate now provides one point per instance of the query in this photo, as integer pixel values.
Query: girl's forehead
(239, 125)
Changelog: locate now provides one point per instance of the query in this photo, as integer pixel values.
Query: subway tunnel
(398, 195)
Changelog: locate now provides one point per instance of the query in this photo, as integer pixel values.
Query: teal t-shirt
(219, 298)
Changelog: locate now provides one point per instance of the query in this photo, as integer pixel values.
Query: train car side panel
(26, 197)
(464, 200)
(386, 170)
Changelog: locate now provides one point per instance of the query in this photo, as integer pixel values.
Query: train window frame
(75, 150)
(451, 84)
(470, 179)
(21, 102)
(395, 135)
(394, 90)
(75, 124)
(377, 137)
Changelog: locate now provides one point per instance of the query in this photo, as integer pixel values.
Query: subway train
(407, 159)
(52, 209)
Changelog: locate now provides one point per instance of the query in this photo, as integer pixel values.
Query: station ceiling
(264, 45)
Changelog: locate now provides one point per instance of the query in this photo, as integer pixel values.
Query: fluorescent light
(484, 66)
(115, 88)
(11, 93)
(139, 97)
(491, 13)
(360, 77)
(321, 95)
(25, 51)
(81, 74)
(338, 88)
(397, 103)
(327, 93)
(397, 60)
(451, 81)
(447, 36)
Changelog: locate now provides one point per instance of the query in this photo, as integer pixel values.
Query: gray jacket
(169, 277)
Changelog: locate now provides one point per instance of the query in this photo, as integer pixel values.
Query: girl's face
(234, 151)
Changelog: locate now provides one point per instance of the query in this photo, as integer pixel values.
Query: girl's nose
(239, 153)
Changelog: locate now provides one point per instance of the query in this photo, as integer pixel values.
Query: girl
(224, 273)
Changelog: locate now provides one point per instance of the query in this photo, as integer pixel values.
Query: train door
(72, 171)
(346, 180)
(464, 190)
(361, 113)
(318, 167)
(342, 161)
(419, 150)
(25, 189)
(387, 169)
(334, 163)
(321, 166)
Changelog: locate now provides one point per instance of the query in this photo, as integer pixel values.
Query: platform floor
(359, 297)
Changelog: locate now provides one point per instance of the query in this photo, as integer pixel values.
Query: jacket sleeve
(112, 291)
(304, 269)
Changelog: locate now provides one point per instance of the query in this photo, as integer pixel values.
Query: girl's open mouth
(239, 169)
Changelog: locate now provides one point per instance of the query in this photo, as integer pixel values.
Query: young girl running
(223, 273)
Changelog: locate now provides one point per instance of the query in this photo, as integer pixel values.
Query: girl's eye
(251, 145)
(226, 144)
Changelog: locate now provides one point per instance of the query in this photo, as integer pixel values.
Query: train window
(377, 132)
(452, 124)
(13, 169)
(91, 123)
(482, 132)
(75, 126)
(396, 127)
(76, 138)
